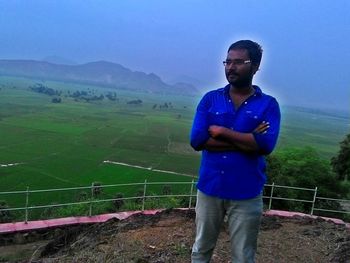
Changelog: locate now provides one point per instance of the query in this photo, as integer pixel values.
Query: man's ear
(255, 68)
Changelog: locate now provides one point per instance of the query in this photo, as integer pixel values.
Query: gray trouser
(243, 222)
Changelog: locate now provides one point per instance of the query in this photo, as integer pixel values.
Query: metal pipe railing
(27, 208)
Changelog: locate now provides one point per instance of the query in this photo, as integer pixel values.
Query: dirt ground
(168, 237)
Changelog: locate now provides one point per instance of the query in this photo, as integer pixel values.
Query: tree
(135, 102)
(56, 100)
(111, 96)
(341, 162)
(302, 167)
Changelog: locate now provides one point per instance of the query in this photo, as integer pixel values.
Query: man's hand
(262, 127)
(223, 138)
(216, 131)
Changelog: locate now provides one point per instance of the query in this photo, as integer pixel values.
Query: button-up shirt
(234, 175)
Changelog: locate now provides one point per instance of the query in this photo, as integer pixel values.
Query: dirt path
(146, 168)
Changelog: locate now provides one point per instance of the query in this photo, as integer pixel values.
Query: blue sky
(306, 43)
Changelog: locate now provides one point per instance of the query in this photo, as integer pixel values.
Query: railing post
(271, 195)
(190, 201)
(27, 203)
(92, 197)
(313, 201)
(144, 195)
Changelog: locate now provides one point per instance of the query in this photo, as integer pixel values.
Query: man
(234, 127)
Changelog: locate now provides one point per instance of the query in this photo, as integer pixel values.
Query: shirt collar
(257, 92)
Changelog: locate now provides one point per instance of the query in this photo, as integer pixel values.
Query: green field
(302, 127)
(64, 144)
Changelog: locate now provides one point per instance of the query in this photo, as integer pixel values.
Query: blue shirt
(234, 175)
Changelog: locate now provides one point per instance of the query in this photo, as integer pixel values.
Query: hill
(101, 73)
(168, 236)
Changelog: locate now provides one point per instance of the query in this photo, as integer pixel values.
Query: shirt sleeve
(267, 141)
(199, 133)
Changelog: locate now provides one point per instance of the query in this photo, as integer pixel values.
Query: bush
(118, 203)
(5, 216)
(96, 188)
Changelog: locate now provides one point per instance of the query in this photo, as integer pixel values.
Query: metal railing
(92, 200)
(314, 201)
(274, 186)
(269, 198)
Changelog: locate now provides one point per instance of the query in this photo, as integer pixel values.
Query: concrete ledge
(41, 224)
(293, 214)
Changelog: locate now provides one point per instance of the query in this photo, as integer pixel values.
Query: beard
(239, 80)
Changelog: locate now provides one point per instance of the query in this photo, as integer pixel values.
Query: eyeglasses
(235, 62)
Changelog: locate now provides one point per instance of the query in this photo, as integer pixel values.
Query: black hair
(254, 50)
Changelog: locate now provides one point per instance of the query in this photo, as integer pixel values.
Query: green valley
(55, 145)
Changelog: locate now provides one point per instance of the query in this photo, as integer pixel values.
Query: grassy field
(323, 132)
(65, 144)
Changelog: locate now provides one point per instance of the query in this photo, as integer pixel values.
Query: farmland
(54, 145)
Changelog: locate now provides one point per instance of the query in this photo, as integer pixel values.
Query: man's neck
(246, 90)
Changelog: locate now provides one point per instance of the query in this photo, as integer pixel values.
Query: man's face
(239, 71)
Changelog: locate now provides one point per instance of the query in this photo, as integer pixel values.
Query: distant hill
(59, 60)
(101, 73)
(187, 79)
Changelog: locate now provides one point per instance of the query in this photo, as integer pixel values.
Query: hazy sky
(306, 42)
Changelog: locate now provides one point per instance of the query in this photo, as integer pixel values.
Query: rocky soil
(168, 237)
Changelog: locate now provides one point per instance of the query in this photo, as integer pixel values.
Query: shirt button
(229, 100)
(224, 156)
(245, 102)
(222, 172)
(217, 113)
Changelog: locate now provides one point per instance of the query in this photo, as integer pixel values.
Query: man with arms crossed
(234, 127)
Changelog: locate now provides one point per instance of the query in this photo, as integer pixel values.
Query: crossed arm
(224, 139)
(261, 140)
